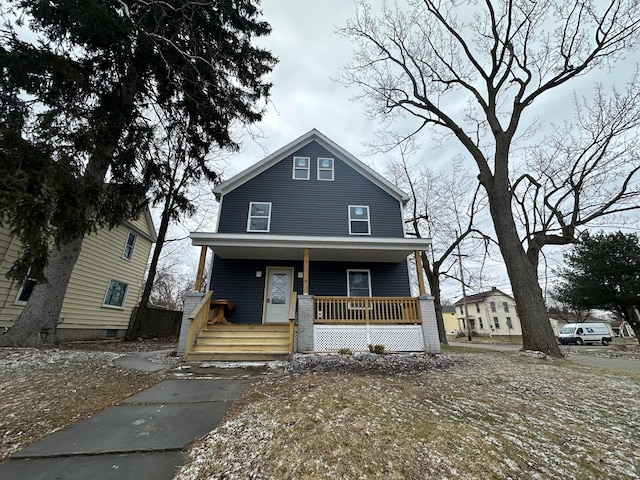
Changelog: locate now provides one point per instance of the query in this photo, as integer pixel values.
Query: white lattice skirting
(395, 338)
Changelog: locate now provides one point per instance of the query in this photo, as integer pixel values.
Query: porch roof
(324, 249)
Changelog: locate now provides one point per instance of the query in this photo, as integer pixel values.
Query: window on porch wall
(358, 283)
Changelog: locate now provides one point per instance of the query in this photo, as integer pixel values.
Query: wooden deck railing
(292, 321)
(198, 321)
(366, 310)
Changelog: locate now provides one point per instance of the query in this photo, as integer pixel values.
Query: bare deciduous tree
(441, 207)
(473, 71)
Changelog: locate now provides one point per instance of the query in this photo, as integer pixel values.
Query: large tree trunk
(37, 325)
(537, 333)
(433, 277)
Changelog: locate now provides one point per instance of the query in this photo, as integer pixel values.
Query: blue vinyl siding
(236, 280)
(312, 207)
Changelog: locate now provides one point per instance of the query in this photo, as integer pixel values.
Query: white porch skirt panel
(395, 338)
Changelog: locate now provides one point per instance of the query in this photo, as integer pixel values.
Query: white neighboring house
(490, 313)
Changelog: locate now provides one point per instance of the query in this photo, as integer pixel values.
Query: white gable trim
(267, 162)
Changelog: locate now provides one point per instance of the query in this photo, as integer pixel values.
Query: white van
(581, 333)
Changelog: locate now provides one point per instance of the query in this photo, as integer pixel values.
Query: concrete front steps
(238, 342)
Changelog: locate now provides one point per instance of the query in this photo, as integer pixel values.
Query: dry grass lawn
(485, 415)
(42, 391)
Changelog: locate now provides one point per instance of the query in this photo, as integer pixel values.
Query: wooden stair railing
(198, 321)
(292, 322)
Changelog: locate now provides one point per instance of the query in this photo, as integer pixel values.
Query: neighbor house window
(325, 168)
(27, 287)
(358, 283)
(116, 292)
(506, 306)
(259, 217)
(359, 220)
(461, 310)
(477, 308)
(493, 306)
(301, 168)
(127, 253)
(496, 322)
(509, 324)
(481, 325)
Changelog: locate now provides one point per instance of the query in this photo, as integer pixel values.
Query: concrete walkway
(141, 438)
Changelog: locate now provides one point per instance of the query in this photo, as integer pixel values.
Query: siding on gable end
(100, 259)
(236, 280)
(312, 207)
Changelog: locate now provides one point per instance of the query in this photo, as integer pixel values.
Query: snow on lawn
(490, 415)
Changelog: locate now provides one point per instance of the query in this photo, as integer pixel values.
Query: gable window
(325, 168)
(27, 287)
(259, 217)
(116, 292)
(301, 168)
(493, 306)
(506, 306)
(358, 283)
(127, 252)
(359, 220)
(477, 308)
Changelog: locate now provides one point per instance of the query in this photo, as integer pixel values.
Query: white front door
(278, 295)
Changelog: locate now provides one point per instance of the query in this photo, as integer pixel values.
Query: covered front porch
(314, 322)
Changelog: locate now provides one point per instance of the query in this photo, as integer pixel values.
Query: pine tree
(75, 118)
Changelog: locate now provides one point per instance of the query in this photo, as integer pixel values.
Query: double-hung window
(301, 168)
(259, 217)
(506, 306)
(325, 168)
(116, 293)
(127, 252)
(358, 283)
(359, 220)
(27, 286)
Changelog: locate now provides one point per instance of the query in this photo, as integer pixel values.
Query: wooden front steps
(238, 342)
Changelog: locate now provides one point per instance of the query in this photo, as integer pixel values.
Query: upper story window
(358, 283)
(116, 293)
(506, 306)
(325, 168)
(493, 306)
(127, 252)
(359, 220)
(301, 168)
(259, 217)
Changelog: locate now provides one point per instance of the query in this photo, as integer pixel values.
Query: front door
(278, 295)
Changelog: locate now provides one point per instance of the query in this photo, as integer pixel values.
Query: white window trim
(126, 243)
(17, 301)
(268, 218)
(321, 169)
(368, 220)
(358, 270)
(308, 169)
(124, 299)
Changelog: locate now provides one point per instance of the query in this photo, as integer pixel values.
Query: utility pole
(464, 294)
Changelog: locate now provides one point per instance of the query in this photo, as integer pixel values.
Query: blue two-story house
(310, 240)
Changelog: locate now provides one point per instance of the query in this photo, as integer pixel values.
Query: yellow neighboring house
(449, 319)
(104, 287)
